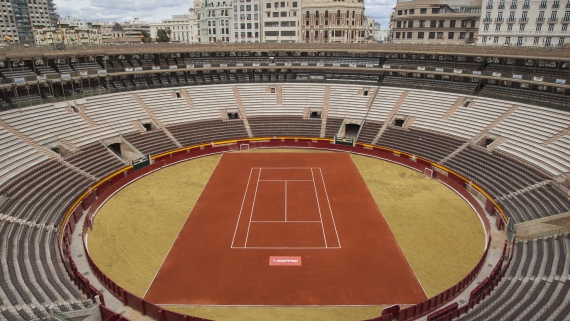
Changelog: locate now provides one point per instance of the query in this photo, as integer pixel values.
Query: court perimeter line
(285, 180)
(330, 208)
(182, 227)
(241, 208)
(319, 206)
(285, 201)
(252, 207)
(285, 248)
(285, 222)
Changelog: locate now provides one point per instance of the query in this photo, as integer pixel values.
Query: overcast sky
(156, 10)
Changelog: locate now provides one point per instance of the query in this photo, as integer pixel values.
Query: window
(411, 11)
(294, 4)
(500, 15)
(553, 15)
(268, 5)
(510, 27)
(521, 28)
(486, 27)
(451, 23)
(399, 12)
(524, 15)
(497, 27)
(423, 11)
(462, 35)
(439, 35)
(507, 40)
(519, 41)
(435, 10)
(511, 16)
(561, 41)
(420, 35)
(431, 35)
(398, 24)
(566, 16)
(496, 40)
(397, 35)
(276, 14)
(441, 23)
(538, 27)
(541, 15)
(283, 13)
(536, 40)
(550, 27)
(485, 39)
(422, 23)
(432, 23)
(564, 27)
(409, 35)
(548, 42)
(450, 35)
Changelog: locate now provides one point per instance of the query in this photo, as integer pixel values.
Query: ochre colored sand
(135, 229)
(438, 232)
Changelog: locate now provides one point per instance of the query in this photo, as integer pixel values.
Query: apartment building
(183, 28)
(438, 22)
(333, 21)
(67, 34)
(524, 22)
(247, 21)
(214, 21)
(281, 21)
(18, 17)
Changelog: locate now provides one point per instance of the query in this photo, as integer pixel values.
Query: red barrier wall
(108, 187)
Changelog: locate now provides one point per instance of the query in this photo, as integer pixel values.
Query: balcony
(526, 5)
(511, 19)
(542, 6)
(555, 5)
(513, 6)
(566, 18)
(487, 20)
(501, 6)
(552, 20)
(499, 19)
(539, 19)
(523, 20)
(490, 6)
(469, 40)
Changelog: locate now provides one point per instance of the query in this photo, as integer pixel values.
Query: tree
(162, 36)
(145, 37)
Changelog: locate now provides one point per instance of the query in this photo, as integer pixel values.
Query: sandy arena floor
(438, 232)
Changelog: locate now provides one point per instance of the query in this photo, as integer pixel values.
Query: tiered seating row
(497, 173)
(369, 131)
(333, 125)
(537, 203)
(151, 143)
(206, 131)
(95, 159)
(263, 126)
(536, 288)
(425, 144)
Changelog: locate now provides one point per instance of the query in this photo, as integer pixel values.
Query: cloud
(156, 10)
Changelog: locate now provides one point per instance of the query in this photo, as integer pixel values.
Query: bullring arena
(285, 182)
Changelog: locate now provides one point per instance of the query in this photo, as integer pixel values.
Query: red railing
(94, 197)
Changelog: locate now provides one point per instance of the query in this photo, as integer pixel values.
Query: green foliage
(162, 36)
(145, 37)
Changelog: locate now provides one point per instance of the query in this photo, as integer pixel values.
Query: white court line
(181, 228)
(285, 248)
(241, 209)
(285, 201)
(252, 206)
(330, 208)
(319, 206)
(286, 222)
(285, 180)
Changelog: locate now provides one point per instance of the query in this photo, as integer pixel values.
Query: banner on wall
(496, 74)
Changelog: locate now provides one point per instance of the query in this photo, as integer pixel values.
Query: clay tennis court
(285, 229)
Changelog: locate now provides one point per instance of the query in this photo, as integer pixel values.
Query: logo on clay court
(285, 260)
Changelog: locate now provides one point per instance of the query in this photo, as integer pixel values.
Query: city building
(436, 21)
(524, 22)
(372, 30)
(247, 21)
(78, 24)
(66, 34)
(384, 35)
(281, 21)
(214, 21)
(183, 28)
(19, 17)
(333, 21)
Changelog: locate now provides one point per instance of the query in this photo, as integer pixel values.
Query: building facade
(183, 28)
(333, 21)
(74, 22)
(19, 17)
(214, 21)
(281, 21)
(68, 35)
(438, 22)
(247, 21)
(524, 22)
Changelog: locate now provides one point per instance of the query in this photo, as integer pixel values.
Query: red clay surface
(313, 206)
